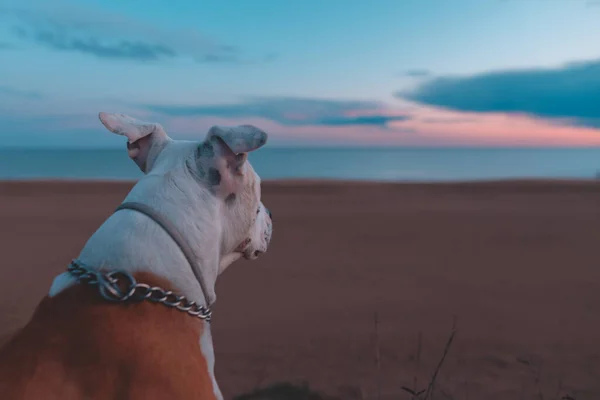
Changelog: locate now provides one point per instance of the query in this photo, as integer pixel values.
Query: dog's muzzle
(252, 254)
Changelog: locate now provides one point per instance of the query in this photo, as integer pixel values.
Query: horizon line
(333, 147)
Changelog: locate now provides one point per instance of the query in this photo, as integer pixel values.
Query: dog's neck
(131, 241)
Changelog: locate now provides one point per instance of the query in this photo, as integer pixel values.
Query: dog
(92, 336)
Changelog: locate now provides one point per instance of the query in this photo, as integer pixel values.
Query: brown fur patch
(79, 346)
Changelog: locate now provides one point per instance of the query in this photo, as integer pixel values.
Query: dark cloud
(221, 55)
(417, 73)
(217, 58)
(288, 111)
(377, 120)
(232, 55)
(122, 49)
(569, 92)
(112, 36)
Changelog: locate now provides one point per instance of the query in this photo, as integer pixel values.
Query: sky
(309, 73)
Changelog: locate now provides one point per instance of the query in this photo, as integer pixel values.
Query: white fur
(131, 241)
(206, 346)
(132, 128)
(60, 283)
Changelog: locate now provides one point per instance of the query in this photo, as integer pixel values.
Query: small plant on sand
(427, 393)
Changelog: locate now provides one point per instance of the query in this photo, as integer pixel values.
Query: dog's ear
(225, 151)
(141, 136)
(236, 142)
(239, 139)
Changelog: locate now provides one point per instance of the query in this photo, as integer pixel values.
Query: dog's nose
(269, 214)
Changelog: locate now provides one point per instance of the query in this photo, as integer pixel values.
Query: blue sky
(394, 72)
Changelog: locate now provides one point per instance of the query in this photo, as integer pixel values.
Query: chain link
(120, 286)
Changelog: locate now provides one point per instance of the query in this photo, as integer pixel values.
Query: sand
(514, 265)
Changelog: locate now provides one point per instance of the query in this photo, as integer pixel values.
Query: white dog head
(218, 172)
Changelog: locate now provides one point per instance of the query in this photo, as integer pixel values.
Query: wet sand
(514, 265)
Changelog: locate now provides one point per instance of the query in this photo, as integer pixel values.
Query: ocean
(376, 164)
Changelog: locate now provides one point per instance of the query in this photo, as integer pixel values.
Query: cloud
(66, 26)
(450, 120)
(418, 73)
(231, 55)
(377, 120)
(292, 111)
(123, 49)
(69, 123)
(570, 92)
(224, 55)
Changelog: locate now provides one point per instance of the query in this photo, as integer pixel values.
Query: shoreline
(330, 181)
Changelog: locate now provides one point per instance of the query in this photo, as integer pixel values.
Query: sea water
(377, 164)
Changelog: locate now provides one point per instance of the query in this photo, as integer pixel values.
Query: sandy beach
(514, 265)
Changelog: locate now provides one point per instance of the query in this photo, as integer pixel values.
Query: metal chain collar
(120, 286)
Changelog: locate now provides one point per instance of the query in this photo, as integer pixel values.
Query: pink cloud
(497, 130)
(426, 127)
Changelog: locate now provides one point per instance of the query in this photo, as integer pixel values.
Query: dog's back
(78, 346)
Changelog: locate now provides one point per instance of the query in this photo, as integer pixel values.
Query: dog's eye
(258, 211)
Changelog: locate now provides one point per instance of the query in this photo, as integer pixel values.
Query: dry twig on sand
(427, 394)
(377, 355)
